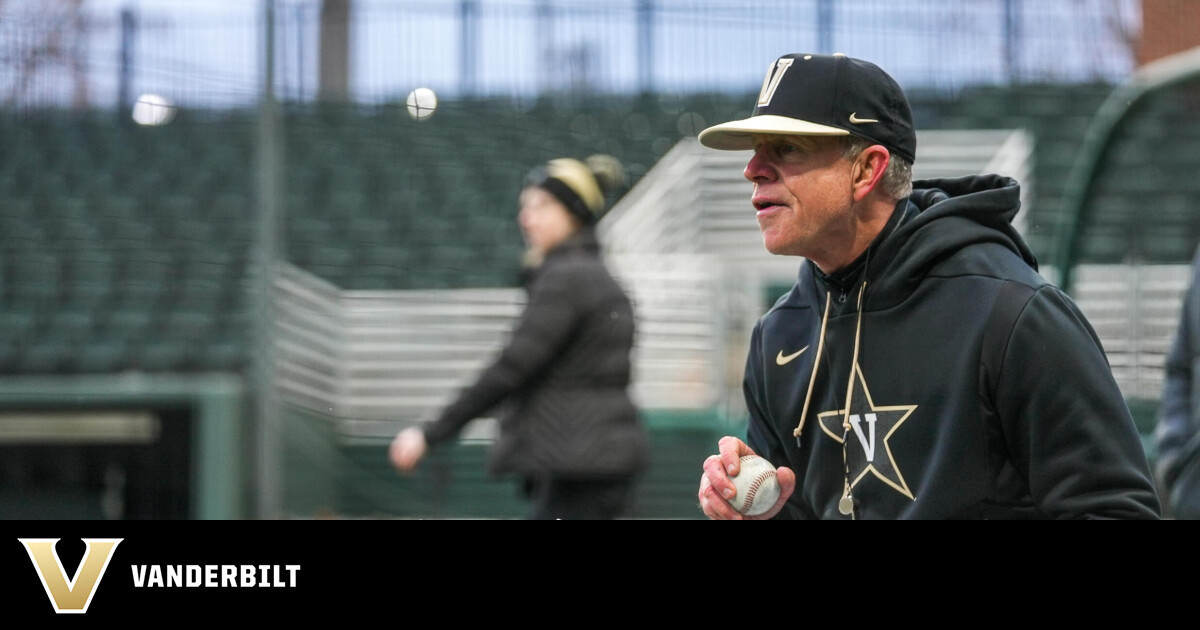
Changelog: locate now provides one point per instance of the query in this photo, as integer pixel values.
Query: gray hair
(897, 179)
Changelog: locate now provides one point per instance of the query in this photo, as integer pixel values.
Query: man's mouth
(762, 205)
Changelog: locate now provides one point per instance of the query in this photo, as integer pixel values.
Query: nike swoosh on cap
(780, 359)
(858, 121)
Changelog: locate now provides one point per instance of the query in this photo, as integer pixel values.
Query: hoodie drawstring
(816, 364)
(846, 503)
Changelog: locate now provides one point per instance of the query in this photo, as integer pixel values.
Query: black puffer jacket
(565, 373)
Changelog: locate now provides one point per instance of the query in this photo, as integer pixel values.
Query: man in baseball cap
(920, 367)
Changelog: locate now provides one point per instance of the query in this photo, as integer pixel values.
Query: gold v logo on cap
(771, 82)
(780, 359)
(858, 121)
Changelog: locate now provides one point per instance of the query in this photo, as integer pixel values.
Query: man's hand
(407, 449)
(716, 488)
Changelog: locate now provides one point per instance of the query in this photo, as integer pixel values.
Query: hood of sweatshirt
(943, 217)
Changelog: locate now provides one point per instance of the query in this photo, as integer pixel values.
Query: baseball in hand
(757, 488)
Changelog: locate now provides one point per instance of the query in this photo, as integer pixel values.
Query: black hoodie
(977, 388)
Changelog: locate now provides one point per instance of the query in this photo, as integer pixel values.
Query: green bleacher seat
(49, 354)
(129, 323)
(163, 354)
(101, 356)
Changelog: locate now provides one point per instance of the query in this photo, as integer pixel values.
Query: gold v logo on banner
(70, 595)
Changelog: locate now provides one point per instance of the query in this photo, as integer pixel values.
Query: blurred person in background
(1176, 438)
(920, 367)
(569, 431)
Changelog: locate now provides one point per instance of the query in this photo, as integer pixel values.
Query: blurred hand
(407, 449)
(716, 488)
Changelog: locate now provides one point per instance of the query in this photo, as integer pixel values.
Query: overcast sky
(208, 51)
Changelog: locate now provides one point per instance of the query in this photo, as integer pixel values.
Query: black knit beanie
(581, 186)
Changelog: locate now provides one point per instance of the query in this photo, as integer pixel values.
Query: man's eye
(788, 150)
(780, 149)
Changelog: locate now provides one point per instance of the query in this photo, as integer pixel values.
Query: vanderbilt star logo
(860, 121)
(868, 422)
(780, 359)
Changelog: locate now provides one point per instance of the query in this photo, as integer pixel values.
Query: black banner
(282, 570)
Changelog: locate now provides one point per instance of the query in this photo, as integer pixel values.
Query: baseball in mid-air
(153, 110)
(757, 487)
(422, 102)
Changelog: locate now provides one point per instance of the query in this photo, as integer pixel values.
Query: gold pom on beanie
(581, 185)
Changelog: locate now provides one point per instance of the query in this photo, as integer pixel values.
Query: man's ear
(868, 170)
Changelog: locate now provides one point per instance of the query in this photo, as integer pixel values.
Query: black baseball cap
(824, 95)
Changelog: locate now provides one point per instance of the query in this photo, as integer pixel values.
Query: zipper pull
(846, 503)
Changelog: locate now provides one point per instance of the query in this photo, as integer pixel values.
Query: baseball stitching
(753, 489)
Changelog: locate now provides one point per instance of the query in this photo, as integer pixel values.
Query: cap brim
(736, 135)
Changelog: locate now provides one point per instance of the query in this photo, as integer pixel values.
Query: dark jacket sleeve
(544, 327)
(1064, 420)
(1176, 428)
(761, 433)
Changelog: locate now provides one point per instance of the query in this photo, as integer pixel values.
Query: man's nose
(758, 168)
